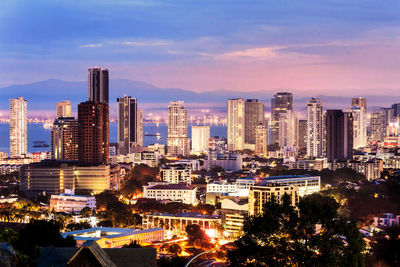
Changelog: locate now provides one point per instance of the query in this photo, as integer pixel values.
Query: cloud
(91, 45)
(147, 43)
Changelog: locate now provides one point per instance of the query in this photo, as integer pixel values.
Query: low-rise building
(176, 173)
(108, 237)
(234, 212)
(372, 169)
(227, 161)
(259, 195)
(53, 177)
(387, 220)
(71, 203)
(306, 185)
(176, 223)
(308, 164)
(184, 193)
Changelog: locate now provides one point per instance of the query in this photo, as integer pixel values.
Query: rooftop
(97, 233)
(181, 186)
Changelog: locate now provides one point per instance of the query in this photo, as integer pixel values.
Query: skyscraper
(288, 129)
(200, 139)
(377, 125)
(314, 134)
(93, 146)
(359, 127)
(396, 109)
(64, 109)
(339, 135)
(236, 124)
(18, 127)
(178, 143)
(129, 125)
(98, 84)
(253, 117)
(64, 139)
(360, 102)
(261, 137)
(303, 134)
(281, 103)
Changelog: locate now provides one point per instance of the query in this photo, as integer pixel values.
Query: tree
(194, 232)
(387, 248)
(286, 236)
(132, 244)
(175, 249)
(41, 233)
(78, 226)
(86, 212)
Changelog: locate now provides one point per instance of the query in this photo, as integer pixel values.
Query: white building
(71, 203)
(176, 173)
(178, 142)
(228, 161)
(314, 136)
(18, 127)
(387, 220)
(200, 139)
(359, 127)
(236, 124)
(306, 185)
(174, 192)
(288, 129)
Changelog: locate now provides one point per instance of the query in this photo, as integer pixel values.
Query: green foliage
(194, 233)
(387, 248)
(8, 235)
(137, 177)
(286, 236)
(86, 212)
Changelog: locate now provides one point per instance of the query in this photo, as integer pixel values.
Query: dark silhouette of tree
(78, 226)
(194, 232)
(132, 244)
(174, 249)
(86, 212)
(40, 233)
(387, 248)
(287, 236)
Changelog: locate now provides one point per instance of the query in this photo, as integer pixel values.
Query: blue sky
(305, 46)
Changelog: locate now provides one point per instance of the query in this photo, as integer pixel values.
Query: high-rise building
(130, 121)
(281, 103)
(396, 109)
(261, 140)
(178, 142)
(377, 125)
(64, 109)
(303, 134)
(64, 139)
(98, 84)
(388, 115)
(360, 102)
(236, 124)
(253, 116)
(314, 134)
(18, 127)
(200, 139)
(288, 129)
(359, 127)
(339, 135)
(93, 146)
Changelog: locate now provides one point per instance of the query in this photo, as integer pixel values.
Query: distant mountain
(44, 94)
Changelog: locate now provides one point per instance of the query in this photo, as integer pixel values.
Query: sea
(37, 133)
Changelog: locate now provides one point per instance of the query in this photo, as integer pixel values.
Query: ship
(40, 144)
(150, 134)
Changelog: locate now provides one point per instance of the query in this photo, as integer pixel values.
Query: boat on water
(150, 134)
(40, 144)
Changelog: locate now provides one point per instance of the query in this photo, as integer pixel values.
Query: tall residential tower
(314, 134)
(281, 103)
(18, 127)
(178, 143)
(236, 124)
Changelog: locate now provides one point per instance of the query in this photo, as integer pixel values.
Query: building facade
(130, 127)
(253, 117)
(235, 124)
(93, 133)
(261, 138)
(200, 139)
(228, 161)
(288, 129)
(314, 134)
(64, 109)
(71, 203)
(178, 143)
(377, 126)
(281, 103)
(339, 135)
(98, 85)
(18, 127)
(64, 139)
(176, 174)
(172, 192)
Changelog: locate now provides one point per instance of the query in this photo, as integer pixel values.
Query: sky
(332, 47)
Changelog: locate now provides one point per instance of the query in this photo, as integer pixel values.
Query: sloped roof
(97, 251)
